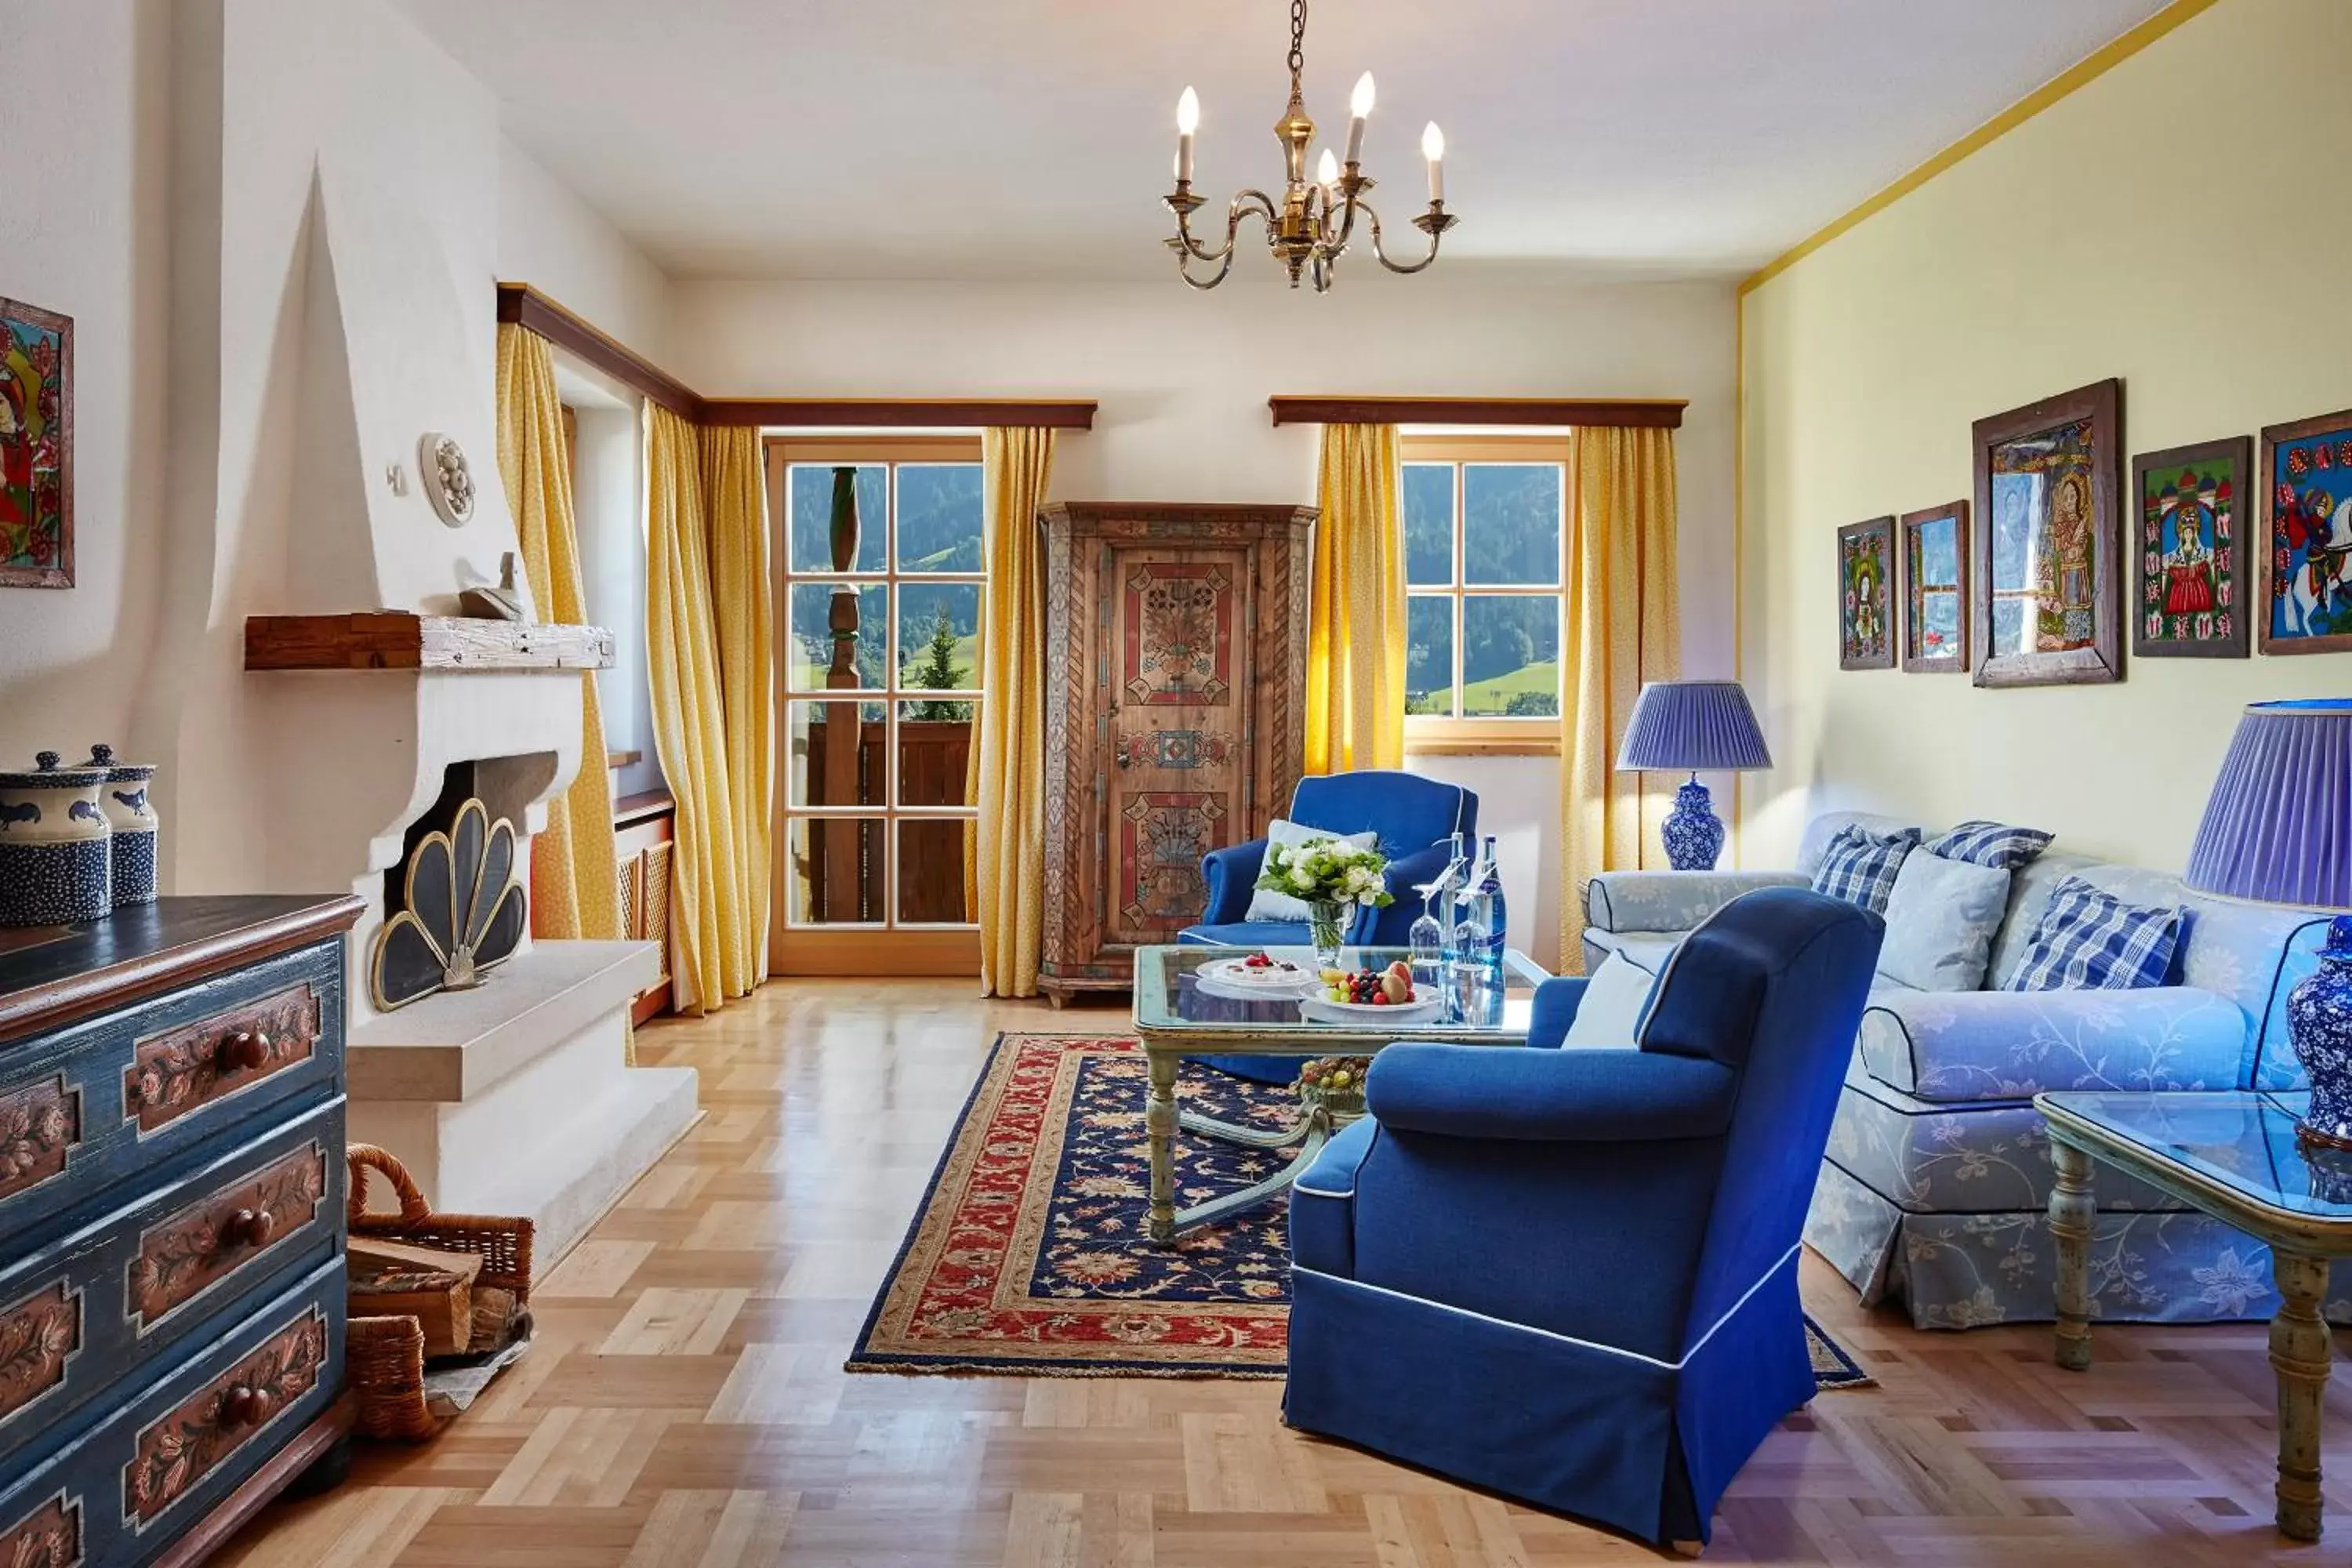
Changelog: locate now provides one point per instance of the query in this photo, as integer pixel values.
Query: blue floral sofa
(1935, 1189)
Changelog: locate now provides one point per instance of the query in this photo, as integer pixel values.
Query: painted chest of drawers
(172, 1189)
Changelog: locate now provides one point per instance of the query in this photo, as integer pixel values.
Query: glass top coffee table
(2235, 1155)
(1180, 1013)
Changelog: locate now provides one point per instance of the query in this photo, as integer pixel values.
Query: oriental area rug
(1027, 1257)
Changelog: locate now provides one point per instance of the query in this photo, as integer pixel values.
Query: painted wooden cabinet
(171, 1223)
(1175, 675)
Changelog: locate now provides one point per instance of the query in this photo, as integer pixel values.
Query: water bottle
(1487, 919)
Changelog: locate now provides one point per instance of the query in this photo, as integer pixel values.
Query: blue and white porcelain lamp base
(2319, 1025)
(1693, 833)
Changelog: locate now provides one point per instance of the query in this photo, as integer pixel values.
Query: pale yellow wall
(2184, 222)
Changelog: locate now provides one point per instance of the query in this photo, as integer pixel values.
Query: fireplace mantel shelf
(393, 639)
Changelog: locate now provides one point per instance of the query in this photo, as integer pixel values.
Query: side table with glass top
(1177, 1016)
(2235, 1155)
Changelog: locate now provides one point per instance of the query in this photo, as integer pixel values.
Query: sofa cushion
(1616, 999)
(1265, 904)
(1940, 920)
(1994, 844)
(1822, 829)
(1957, 1047)
(2091, 941)
(1860, 867)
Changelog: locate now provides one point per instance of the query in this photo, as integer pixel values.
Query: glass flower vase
(1323, 929)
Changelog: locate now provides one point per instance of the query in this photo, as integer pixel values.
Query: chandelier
(1311, 226)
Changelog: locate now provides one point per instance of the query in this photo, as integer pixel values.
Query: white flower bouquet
(1327, 877)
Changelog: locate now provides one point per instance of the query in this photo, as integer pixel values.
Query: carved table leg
(2071, 1214)
(1159, 1127)
(2300, 1351)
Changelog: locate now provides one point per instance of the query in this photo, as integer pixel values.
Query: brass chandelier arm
(1188, 250)
(1433, 222)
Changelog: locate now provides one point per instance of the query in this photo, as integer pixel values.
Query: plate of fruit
(1260, 975)
(1368, 995)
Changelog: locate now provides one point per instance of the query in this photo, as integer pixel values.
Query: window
(881, 671)
(1484, 524)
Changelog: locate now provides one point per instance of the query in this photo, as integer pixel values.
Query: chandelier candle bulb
(1326, 174)
(1433, 147)
(1360, 108)
(1188, 120)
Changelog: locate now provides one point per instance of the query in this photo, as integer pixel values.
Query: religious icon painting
(2190, 524)
(1866, 594)
(2046, 587)
(1933, 553)
(2306, 536)
(36, 520)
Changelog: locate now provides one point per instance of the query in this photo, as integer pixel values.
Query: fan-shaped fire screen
(466, 912)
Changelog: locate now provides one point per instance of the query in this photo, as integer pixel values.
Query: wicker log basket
(385, 1359)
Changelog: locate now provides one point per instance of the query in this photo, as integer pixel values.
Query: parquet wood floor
(686, 1408)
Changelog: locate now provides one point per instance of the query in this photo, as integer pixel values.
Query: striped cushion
(2090, 940)
(1860, 866)
(1994, 844)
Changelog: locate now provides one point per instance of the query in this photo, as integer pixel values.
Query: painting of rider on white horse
(2310, 535)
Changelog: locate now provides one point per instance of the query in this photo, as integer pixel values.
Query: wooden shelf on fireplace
(391, 639)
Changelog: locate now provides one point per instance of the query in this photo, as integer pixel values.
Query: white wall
(550, 238)
(84, 219)
(1183, 378)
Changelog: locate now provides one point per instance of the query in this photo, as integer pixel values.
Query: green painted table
(2233, 1155)
(1177, 1016)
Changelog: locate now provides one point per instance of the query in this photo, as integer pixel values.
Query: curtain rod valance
(528, 307)
(1665, 413)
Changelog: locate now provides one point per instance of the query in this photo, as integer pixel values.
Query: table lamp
(2278, 830)
(1685, 726)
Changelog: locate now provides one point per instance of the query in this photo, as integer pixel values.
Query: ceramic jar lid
(47, 773)
(102, 756)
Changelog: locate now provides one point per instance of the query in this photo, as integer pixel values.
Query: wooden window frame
(891, 946)
(1430, 734)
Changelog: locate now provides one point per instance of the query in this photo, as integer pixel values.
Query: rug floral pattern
(1027, 1255)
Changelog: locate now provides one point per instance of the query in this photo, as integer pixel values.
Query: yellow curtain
(575, 890)
(710, 956)
(1622, 625)
(1004, 850)
(741, 612)
(1355, 629)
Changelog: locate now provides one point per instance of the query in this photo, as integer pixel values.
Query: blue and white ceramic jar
(2319, 1025)
(56, 849)
(130, 817)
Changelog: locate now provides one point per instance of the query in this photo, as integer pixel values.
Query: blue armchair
(1570, 1276)
(1414, 817)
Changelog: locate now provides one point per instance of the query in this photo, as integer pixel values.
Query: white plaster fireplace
(363, 691)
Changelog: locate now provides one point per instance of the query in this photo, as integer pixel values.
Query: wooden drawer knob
(246, 1050)
(244, 1405)
(250, 1228)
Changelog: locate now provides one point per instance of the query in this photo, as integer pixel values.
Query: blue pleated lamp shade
(1692, 726)
(2278, 828)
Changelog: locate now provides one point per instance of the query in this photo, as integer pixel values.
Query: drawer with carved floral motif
(184, 1440)
(118, 1096)
(175, 1262)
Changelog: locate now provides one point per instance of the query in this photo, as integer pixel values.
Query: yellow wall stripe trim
(2083, 71)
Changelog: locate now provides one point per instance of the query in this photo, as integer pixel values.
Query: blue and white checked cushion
(1860, 866)
(1994, 844)
(2091, 941)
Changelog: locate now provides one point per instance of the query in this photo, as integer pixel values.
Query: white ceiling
(1029, 138)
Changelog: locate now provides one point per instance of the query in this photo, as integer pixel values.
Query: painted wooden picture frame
(1866, 594)
(2045, 598)
(2188, 526)
(1932, 558)
(36, 521)
(2305, 596)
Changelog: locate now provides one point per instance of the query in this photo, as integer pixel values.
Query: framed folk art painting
(1866, 594)
(37, 533)
(2189, 521)
(2046, 588)
(1933, 554)
(2306, 536)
